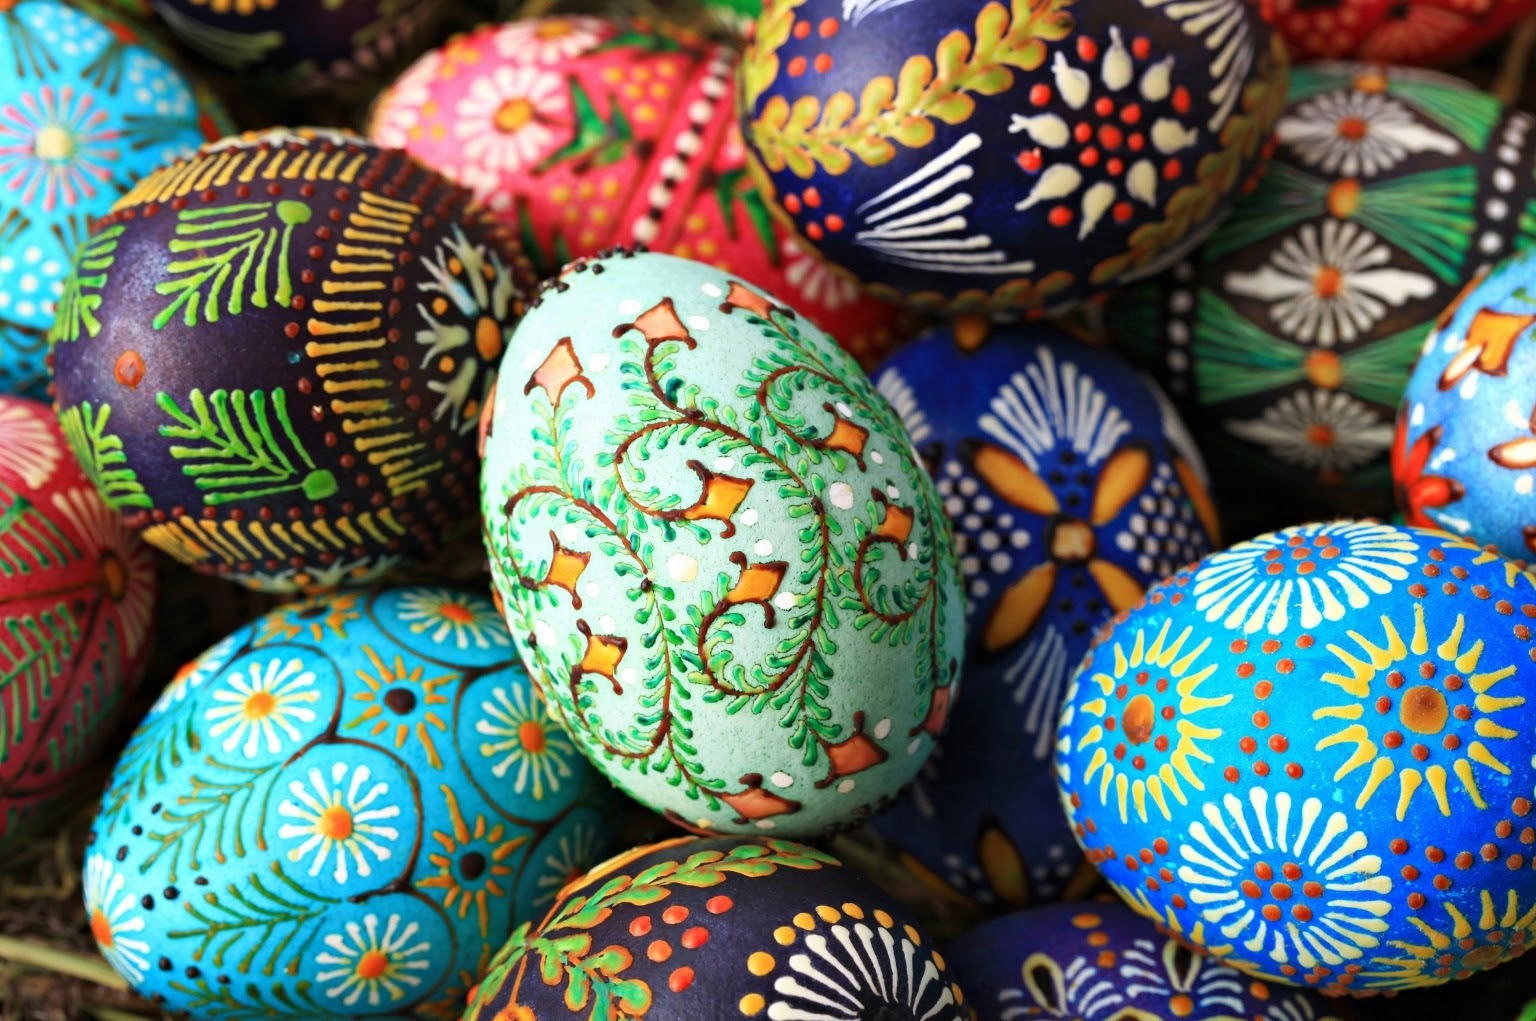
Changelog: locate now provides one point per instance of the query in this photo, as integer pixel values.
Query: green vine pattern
(215, 808)
(688, 651)
(593, 978)
(900, 111)
(101, 455)
(233, 446)
(272, 918)
(231, 252)
(38, 648)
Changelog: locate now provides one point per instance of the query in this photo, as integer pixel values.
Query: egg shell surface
(717, 550)
(980, 156)
(272, 358)
(1287, 340)
(77, 593)
(1311, 755)
(1428, 33)
(1071, 485)
(300, 46)
(341, 809)
(1102, 962)
(583, 133)
(720, 929)
(89, 106)
(1464, 459)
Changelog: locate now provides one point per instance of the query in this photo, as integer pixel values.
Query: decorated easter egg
(86, 108)
(298, 45)
(1288, 338)
(969, 156)
(339, 810)
(723, 928)
(77, 590)
(1464, 459)
(1071, 486)
(717, 550)
(1424, 32)
(1310, 756)
(582, 134)
(1104, 962)
(272, 358)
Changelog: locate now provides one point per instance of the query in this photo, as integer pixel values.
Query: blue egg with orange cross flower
(1072, 485)
(340, 810)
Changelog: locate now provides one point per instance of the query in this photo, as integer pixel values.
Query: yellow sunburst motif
(402, 698)
(1145, 742)
(1514, 571)
(1419, 710)
(316, 618)
(1497, 932)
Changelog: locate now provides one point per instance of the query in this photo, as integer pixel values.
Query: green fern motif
(82, 290)
(101, 455)
(264, 918)
(37, 649)
(235, 453)
(240, 241)
(1444, 204)
(29, 541)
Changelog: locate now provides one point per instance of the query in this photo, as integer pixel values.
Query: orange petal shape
(1014, 480)
(1120, 589)
(1020, 607)
(1003, 865)
(1125, 474)
(1205, 507)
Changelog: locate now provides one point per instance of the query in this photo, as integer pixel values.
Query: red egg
(583, 134)
(1429, 33)
(77, 592)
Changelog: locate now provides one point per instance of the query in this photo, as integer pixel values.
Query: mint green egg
(718, 550)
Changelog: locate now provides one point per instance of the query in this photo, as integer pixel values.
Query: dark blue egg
(1071, 485)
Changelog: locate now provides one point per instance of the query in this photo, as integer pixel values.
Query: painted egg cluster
(720, 929)
(77, 591)
(1464, 458)
(1289, 336)
(86, 108)
(1071, 485)
(717, 550)
(338, 811)
(973, 156)
(583, 133)
(1310, 756)
(1104, 962)
(272, 358)
(298, 45)
(1420, 32)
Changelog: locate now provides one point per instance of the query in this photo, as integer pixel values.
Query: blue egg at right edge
(1072, 486)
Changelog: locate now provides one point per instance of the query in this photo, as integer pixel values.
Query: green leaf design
(101, 455)
(213, 808)
(29, 540)
(728, 194)
(37, 649)
(252, 1001)
(82, 289)
(1444, 204)
(268, 917)
(233, 452)
(239, 241)
(597, 142)
(236, 49)
(162, 745)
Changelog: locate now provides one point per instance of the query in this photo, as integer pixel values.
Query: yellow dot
(585, 190)
(938, 960)
(784, 936)
(804, 921)
(696, 222)
(642, 74)
(752, 1004)
(884, 918)
(827, 913)
(610, 188)
(599, 214)
(760, 963)
(853, 911)
(708, 248)
(913, 935)
(613, 74)
(645, 113)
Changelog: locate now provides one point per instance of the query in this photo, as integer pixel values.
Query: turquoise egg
(1311, 756)
(87, 107)
(717, 549)
(339, 810)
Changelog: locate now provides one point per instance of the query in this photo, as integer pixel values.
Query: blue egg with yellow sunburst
(340, 810)
(1310, 756)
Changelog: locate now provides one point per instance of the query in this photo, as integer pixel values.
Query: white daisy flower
(365, 963)
(256, 707)
(1358, 134)
(513, 117)
(341, 819)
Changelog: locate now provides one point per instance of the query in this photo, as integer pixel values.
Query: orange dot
(1327, 282)
(372, 965)
(1061, 216)
(813, 198)
(680, 979)
(827, 28)
(834, 222)
(792, 204)
(336, 823)
(694, 938)
(129, 370)
(674, 914)
(796, 67)
(822, 63)
(814, 231)
(802, 29)
(719, 905)
(659, 950)
(640, 926)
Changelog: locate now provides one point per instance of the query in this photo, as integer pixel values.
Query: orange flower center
(259, 705)
(372, 965)
(1353, 128)
(336, 823)
(513, 116)
(1181, 1006)
(456, 613)
(101, 928)
(552, 29)
(1328, 282)
(1423, 710)
(114, 576)
(488, 343)
(1136, 722)
(531, 735)
(1320, 435)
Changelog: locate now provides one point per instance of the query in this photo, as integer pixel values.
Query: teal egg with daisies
(340, 810)
(88, 106)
